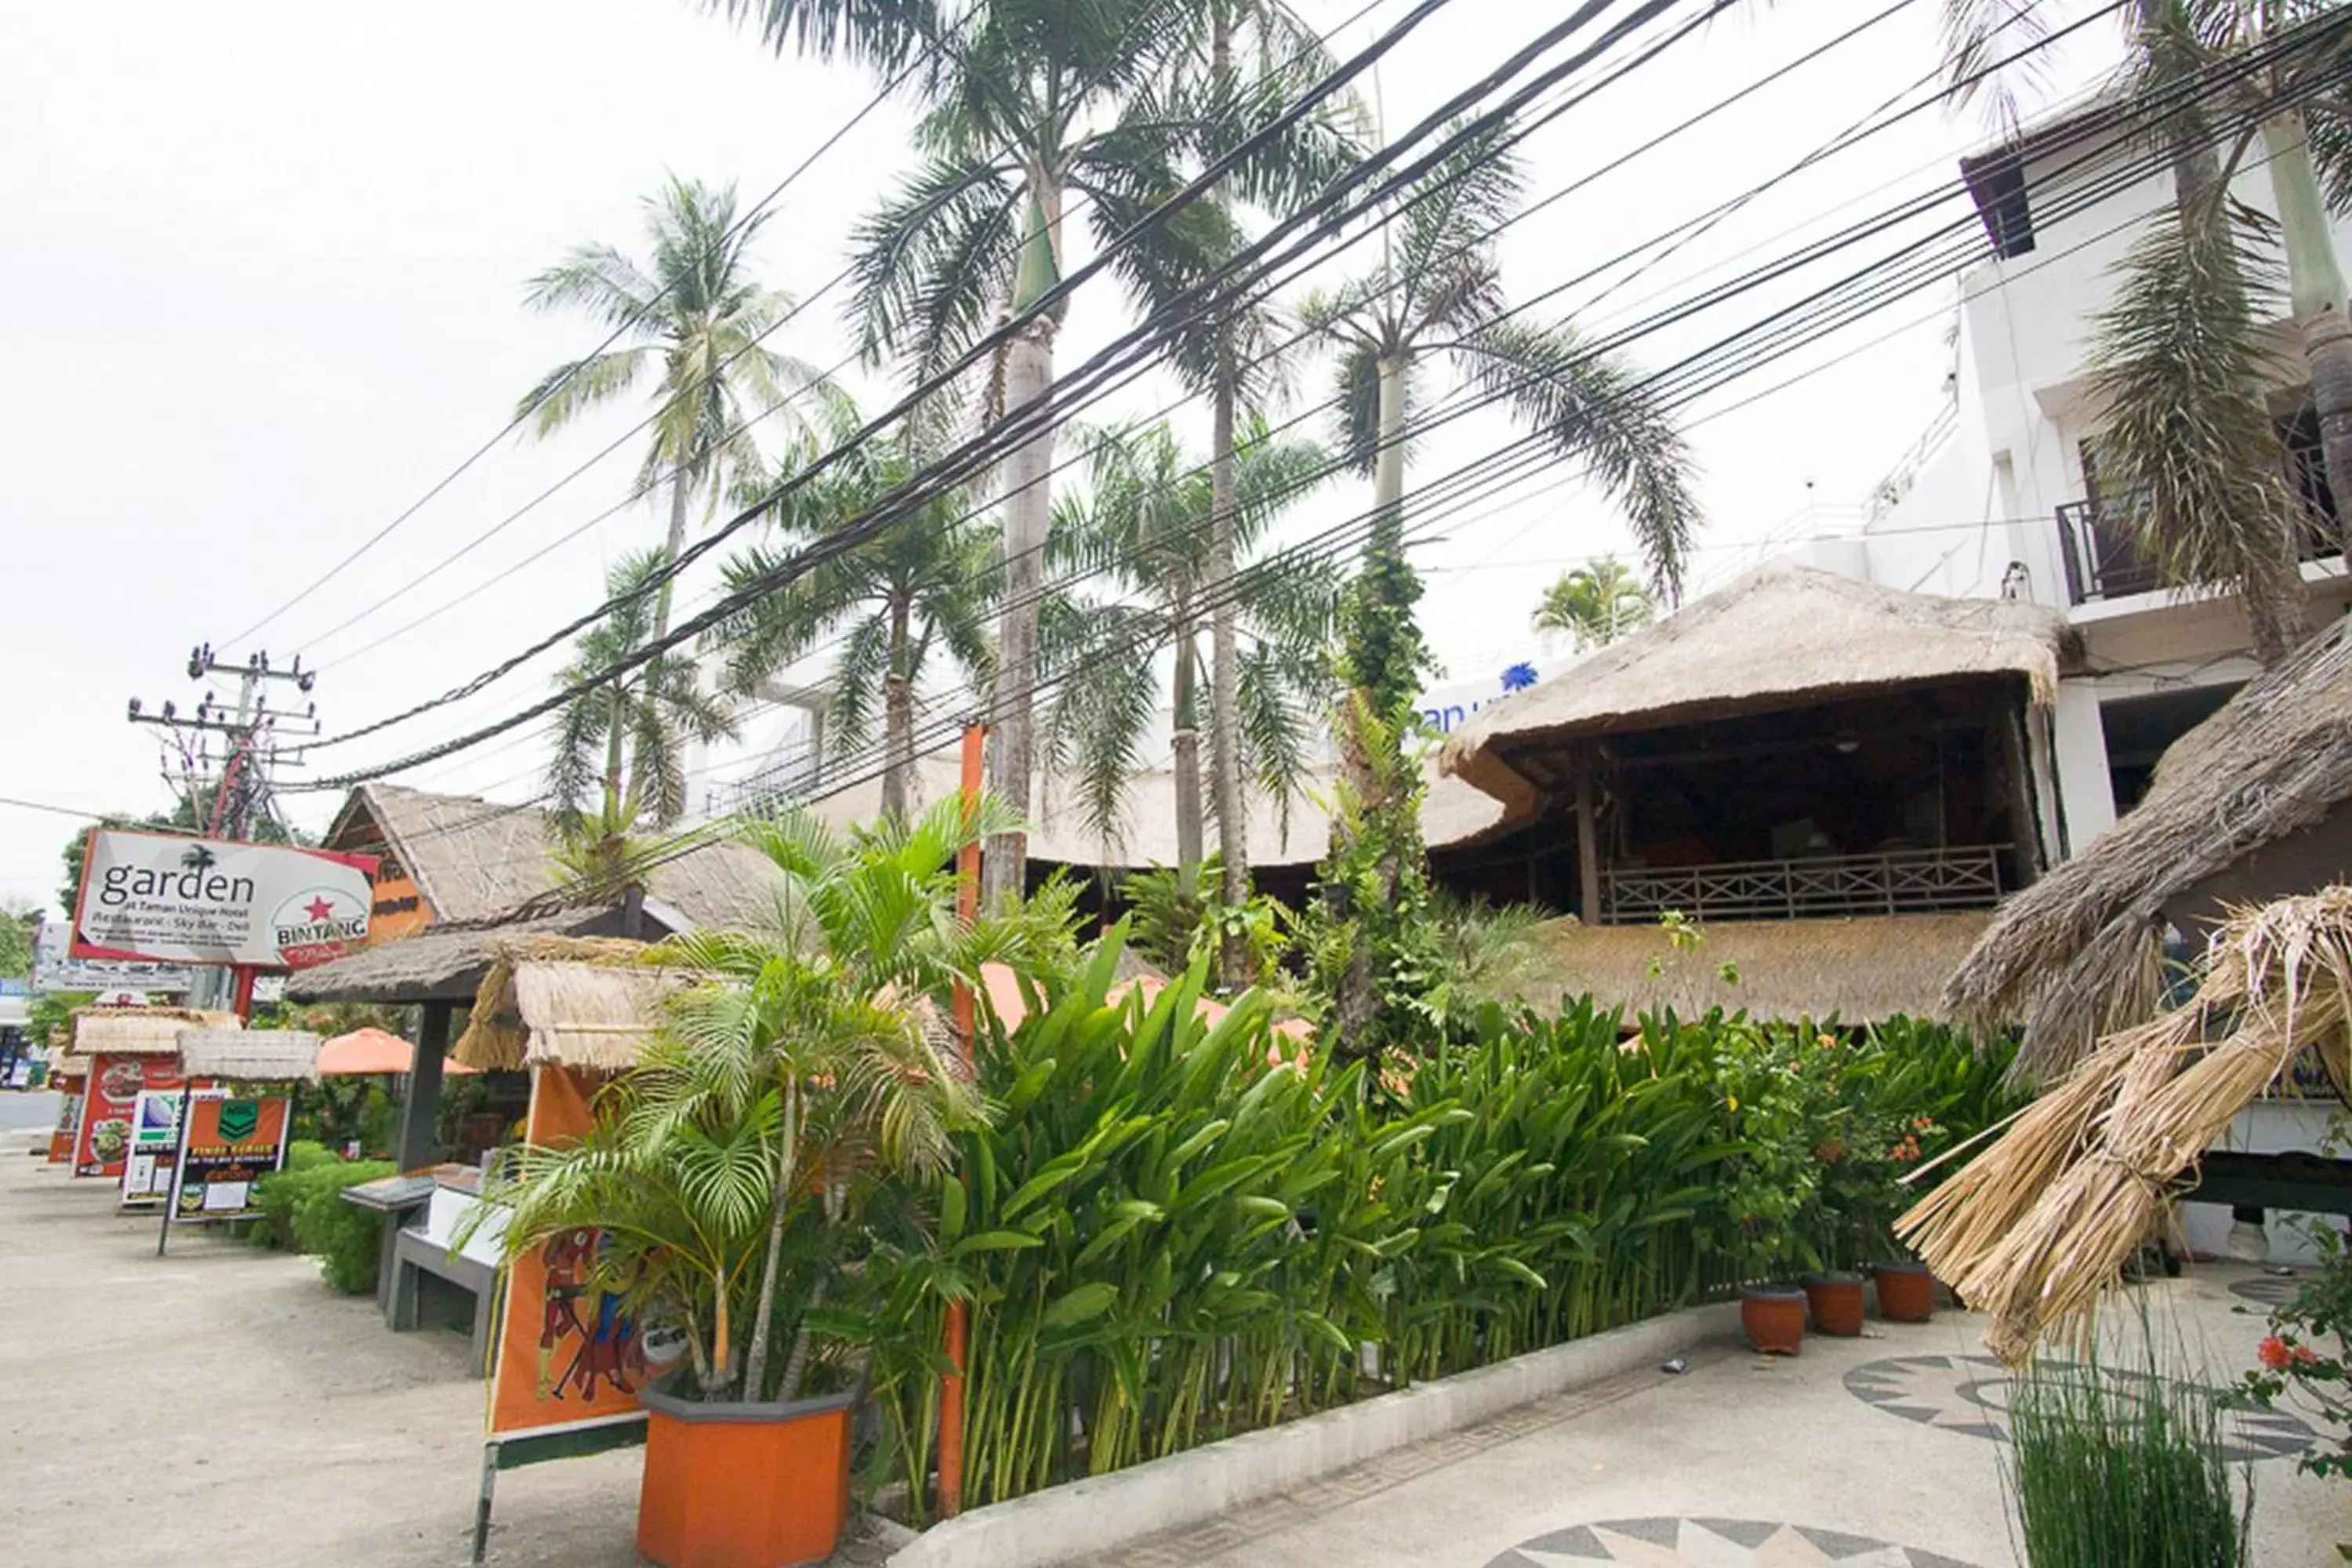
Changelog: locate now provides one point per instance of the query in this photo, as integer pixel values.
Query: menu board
(109, 1105)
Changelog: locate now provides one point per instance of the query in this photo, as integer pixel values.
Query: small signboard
(55, 968)
(154, 1138)
(172, 898)
(108, 1103)
(230, 1143)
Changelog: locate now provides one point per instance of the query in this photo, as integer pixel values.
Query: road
(23, 1109)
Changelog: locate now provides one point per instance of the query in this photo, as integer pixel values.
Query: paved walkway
(221, 1406)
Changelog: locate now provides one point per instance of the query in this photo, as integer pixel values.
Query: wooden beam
(1587, 845)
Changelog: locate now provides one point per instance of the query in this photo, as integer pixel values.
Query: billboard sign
(172, 898)
(55, 968)
(233, 1141)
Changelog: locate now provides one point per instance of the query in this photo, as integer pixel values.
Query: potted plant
(1768, 1193)
(725, 1171)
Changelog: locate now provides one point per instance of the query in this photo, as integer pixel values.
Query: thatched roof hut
(139, 1031)
(2248, 807)
(547, 1000)
(2038, 1227)
(1861, 970)
(1782, 635)
(250, 1056)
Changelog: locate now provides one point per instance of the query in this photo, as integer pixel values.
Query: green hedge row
(303, 1211)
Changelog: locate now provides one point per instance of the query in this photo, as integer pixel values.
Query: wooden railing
(1902, 881)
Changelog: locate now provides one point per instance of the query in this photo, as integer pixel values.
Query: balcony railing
(2095, 540)
(790, 774)
(1906, 882)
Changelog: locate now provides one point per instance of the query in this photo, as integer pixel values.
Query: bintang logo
(318, 923)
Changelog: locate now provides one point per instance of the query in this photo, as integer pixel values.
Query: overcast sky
(265, 261)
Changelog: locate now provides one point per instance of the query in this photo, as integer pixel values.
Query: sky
(269, 264)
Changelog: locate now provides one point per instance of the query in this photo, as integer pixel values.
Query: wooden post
(415, 1150)
(1587, 845)
(959, 1328)
(2026, 826)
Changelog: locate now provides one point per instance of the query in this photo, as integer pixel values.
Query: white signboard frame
(177, 899)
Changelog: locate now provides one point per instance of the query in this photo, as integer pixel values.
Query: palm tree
(1438, 293)
(1025, 101)
(619, 761)
(918, 591)
(1596, 604)
(2182, 355)
(1145, 528)
(694, 321)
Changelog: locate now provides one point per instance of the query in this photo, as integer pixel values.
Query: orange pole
(975, 742)
(243, 991)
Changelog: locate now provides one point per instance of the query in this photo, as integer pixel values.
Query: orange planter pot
(1774, 1316)
(743, 1486)
(1907, 1292)
(1835, 1300)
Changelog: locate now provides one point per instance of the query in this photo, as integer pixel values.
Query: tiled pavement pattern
(1969, 1394)
(1713, 1543)
(1196, 1544)
(2267, 1289)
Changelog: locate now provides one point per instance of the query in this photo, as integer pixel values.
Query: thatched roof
(2038, 1227)
(1780, 636)
(547, 1000)
(252, 1056)
(439, 963)
(2076, 955)
(1861, 970)
(139, 1031)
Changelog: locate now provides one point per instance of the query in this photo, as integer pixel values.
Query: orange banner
(566, 1352)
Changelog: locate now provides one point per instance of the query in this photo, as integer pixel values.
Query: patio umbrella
(364, 1051)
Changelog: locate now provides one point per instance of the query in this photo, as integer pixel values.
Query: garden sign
(170, 899)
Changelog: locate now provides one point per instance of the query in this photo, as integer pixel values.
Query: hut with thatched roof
(2248, 807)
(250, 1056)
(1871, 765)
(552, 1001)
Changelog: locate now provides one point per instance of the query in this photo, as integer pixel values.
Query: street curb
(1086, 1519)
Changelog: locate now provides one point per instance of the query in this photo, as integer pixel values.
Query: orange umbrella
(373, 1051)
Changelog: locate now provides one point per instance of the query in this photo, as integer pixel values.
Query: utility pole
(232, 756)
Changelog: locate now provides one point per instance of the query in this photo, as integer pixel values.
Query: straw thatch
(439, 963)
(2037, 1227)
(139, 1031)
(1782, 635)
(1861, 970)
(549, 1000)
(2077, 954)
(250, 1056)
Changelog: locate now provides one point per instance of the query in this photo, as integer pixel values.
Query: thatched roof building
(250, 1056)
(1861, 970)
(1781, 636)
(2251, 805)
(561, 1002)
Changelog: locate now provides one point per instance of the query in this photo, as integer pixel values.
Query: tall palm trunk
(2315, 285)
(1224, 652)
(1224, 673)
(1028, 516)
(897, 719)
(680, 496)
(1186, 744)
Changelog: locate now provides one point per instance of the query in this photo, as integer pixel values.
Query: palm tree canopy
(1144, 528)
(1595, 603)
(694, 322)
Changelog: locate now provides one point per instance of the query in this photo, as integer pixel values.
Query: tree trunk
(680, 494)
(1226, 797)
(898, 720)
(2273, 594)
(1187, 762)
(2315, 285)
(755, 1362)
(1028, 515)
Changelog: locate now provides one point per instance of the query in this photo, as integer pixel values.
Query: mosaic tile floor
(1664, 1543)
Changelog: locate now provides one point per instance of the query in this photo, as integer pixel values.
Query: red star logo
(318, 909)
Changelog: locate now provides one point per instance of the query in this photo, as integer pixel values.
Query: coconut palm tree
(619, 762)
(899, 604)
(1596, 604)
(1144, 528)
(2190, 449)
(1024, 103)
(1437, 295)
(693, 321)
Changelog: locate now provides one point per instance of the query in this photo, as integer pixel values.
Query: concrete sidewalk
(222, 1405)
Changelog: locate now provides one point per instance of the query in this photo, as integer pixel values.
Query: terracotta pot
(743, 1486)
(1835, 1300)
(1907, 1292)
(1774, 1316)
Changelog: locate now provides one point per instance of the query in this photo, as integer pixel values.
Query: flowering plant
(2305, 1357)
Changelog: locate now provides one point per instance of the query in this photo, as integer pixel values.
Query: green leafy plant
(2306, 1358)
(302, 1208)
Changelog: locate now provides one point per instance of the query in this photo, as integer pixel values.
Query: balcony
(1903, 881)
(2095, 537)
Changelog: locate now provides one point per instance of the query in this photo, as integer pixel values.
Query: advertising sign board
(109, 1103)
(170, 899)
(154, 1136)
(232, 1141)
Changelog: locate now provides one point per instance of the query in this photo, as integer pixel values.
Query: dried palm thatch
(139, 1031)
(2038, 1227)
(250, 1056)
(2077, 956)
(586, 1001)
